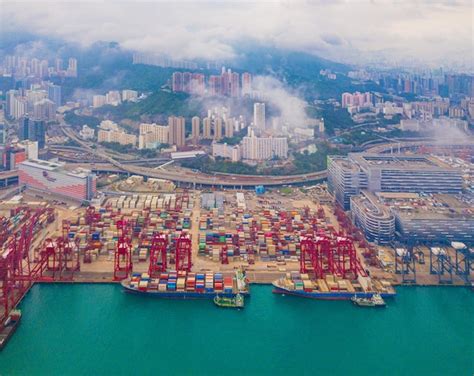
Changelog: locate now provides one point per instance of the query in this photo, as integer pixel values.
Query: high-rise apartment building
(129, 95)
(54, 94)
(40, 133)
(72, 67)
(356, 99)
(259, 116)
(151, 135)
(44, 109)
(98, 101)
(195, 129)
(177, 81)
(177, 134)
(118, 136)
(264, 148)
(218, 123)
(214, 85)
(246, 83)
(229, 127)
(207, 128)
(234, 85)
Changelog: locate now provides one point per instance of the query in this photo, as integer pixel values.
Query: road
(188, 176)
(183, 175)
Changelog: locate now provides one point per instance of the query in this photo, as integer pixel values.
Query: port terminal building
(348, 176)
(420, 217)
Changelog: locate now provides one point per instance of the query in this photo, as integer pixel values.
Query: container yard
(201, 244)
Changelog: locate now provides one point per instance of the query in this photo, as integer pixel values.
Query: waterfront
(98, 329)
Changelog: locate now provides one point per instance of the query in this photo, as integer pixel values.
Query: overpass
(197, 179)
(8, 178)
(188, 176)
(80, 150)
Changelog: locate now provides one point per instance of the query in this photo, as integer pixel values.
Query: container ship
(331, 287)
(187, 285)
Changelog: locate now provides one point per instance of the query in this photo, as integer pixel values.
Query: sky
(359, 31)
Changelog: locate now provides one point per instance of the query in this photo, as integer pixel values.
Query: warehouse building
(52, 178)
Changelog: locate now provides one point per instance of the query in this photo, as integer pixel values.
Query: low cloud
(290, 106)
(349, 31)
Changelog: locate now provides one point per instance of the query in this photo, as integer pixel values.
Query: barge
(187, 285)
(330, 288)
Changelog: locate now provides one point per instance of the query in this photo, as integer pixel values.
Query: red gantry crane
(183, 253)
(321, 256)
(123, 252)
(158, 256)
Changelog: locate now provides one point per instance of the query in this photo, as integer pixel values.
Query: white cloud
(341, 30)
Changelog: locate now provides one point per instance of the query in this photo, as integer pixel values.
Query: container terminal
(202, 243)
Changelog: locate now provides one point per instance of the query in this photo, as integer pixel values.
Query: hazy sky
(440, 31)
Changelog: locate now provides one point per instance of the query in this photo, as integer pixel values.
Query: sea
(86, 329)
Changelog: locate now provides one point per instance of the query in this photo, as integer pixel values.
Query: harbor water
(100, 330)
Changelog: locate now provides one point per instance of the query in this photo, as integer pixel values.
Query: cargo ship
(331, 288)
(187, 285)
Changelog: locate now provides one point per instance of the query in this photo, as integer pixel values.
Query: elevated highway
(193, 178)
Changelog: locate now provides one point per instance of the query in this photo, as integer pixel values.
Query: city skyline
(394, 33)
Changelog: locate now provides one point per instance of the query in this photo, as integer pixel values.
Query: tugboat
(378, 300)
(225, 302)
(374, 301)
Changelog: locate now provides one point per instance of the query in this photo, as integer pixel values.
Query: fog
(349, 31)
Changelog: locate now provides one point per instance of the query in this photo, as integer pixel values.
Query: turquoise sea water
(99, 330)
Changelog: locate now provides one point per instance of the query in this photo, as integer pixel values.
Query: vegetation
(303, 163)
(231, 140)
(70, 142)
(334, 118)
(162, 102)
(208, 165)
(79, 120)
(119, 148)
(286, 191)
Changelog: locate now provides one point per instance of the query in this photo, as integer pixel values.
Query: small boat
(362, 302)
(226, 302)
(9, 327)
(378, 300)
(374, 301)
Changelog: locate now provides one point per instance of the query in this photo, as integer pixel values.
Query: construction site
(270, 236)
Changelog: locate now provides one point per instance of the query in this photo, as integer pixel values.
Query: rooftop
(398, 161)
(55, 166)
(432, 206)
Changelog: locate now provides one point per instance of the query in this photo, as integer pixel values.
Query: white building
(151, 135)
(232, 152)
(263, 148)
(410, 125)
(113, 98)
(449, 123)
(120, 137)
(129, 95)
(19, 107)
(31, 148)
(86, 133)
